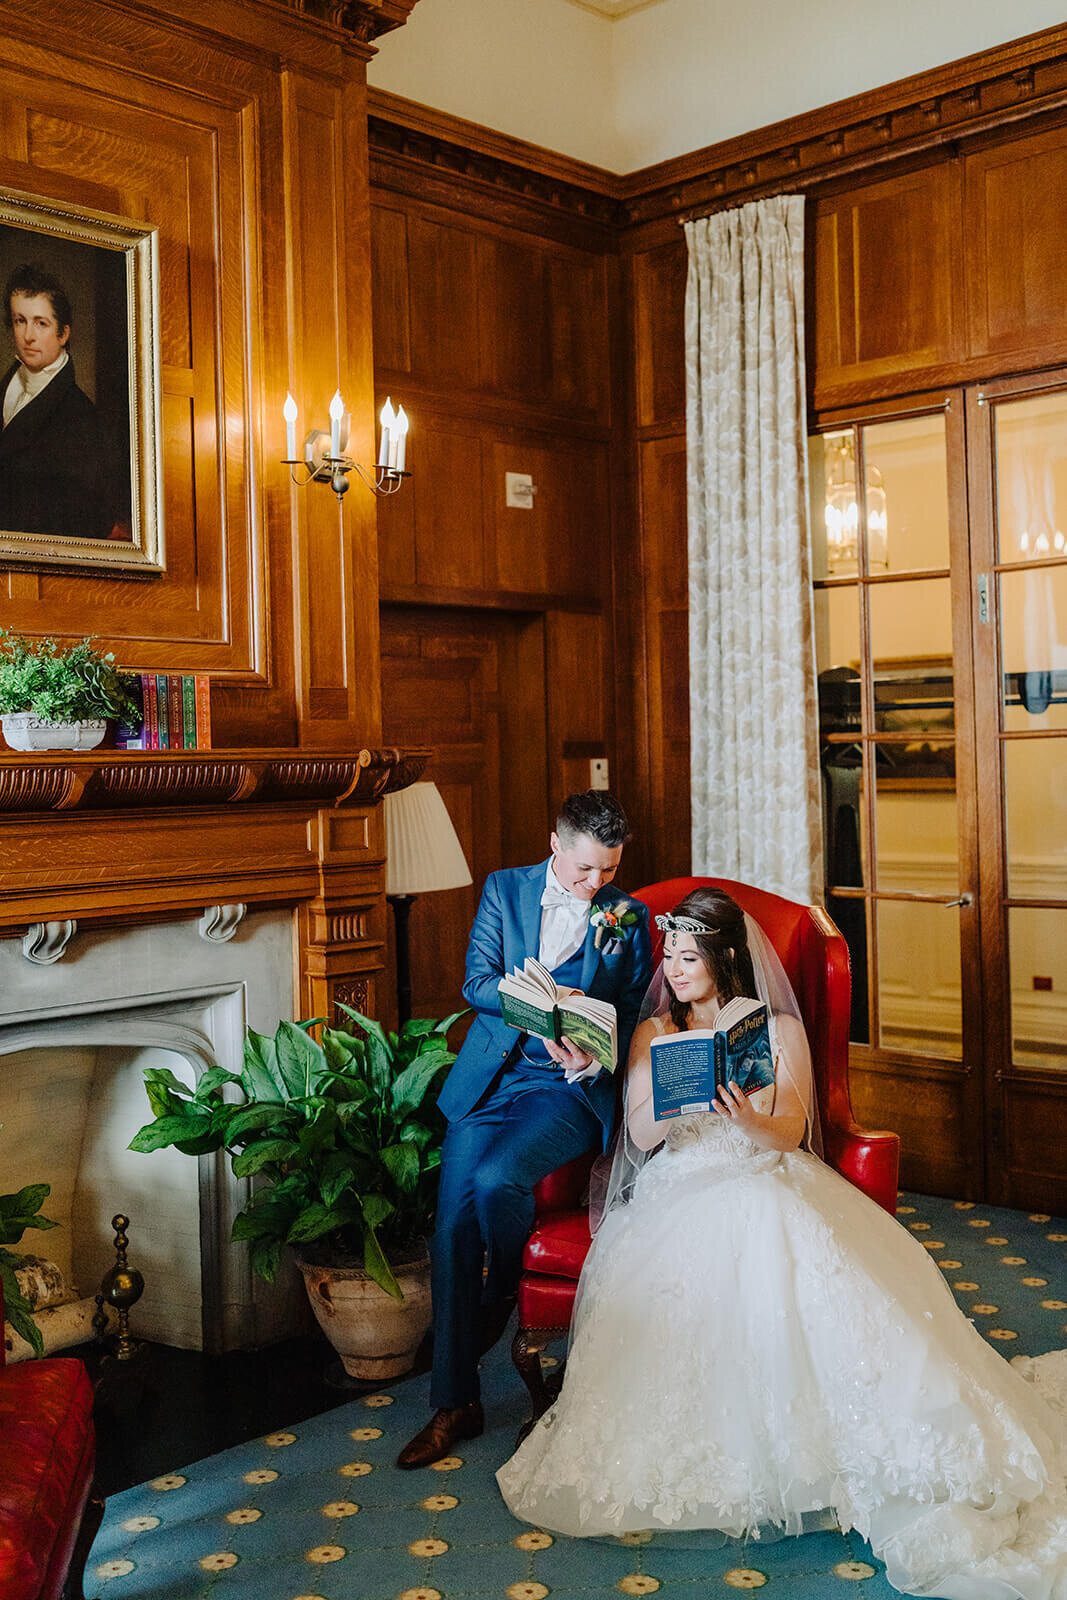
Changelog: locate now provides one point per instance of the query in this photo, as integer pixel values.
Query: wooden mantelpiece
(106, 780)
(113, 838)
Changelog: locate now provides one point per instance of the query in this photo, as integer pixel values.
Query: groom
(516, 1106)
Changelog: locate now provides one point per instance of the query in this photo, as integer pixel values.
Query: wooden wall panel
(389, 265)
(443, 308)
(558, 547)
(888, 279)
(432, 534)
(929, 1120)
(180, 172)
(1035, 1127)
(255, 177)
(659, 276)
(665, 591)
(1017, 249)
(498, 342)
(491, 315)
(450, 681)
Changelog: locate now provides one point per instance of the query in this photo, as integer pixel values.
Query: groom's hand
(575, 1063)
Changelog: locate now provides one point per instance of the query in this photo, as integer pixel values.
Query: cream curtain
(755, 768)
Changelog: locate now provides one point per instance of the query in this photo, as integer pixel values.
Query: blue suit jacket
(506, 930)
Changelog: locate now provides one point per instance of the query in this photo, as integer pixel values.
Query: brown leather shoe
(443, 1430)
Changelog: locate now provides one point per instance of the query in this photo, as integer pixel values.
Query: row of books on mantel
(175, 714)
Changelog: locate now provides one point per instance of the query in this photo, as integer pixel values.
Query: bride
(759, 1349)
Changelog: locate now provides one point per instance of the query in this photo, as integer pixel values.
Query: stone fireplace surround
(154, 904)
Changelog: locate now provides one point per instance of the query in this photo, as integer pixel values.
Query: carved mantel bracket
(219, 923)
(45, 943)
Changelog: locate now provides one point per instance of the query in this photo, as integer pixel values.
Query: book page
(524, 1008)
(589, 1033)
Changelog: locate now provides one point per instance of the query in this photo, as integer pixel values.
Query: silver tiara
(669, 923)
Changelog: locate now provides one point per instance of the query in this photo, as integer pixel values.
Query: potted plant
(341, 1140)
(59, 699)
(17, 1213)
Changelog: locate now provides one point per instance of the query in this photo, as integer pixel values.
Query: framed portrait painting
(80, 455)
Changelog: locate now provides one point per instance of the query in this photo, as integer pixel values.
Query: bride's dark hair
(725, 952)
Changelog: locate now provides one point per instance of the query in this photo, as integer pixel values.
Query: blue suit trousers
(529, 1122)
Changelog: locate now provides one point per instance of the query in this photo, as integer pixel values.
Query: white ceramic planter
(25, 731)
(375, 1335)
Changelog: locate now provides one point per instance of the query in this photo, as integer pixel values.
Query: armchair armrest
(869, 1160)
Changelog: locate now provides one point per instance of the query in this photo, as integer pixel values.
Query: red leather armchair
(48, 1515)
(815, 958)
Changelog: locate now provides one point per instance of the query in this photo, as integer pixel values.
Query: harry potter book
(689, 1069)
(532, 1002)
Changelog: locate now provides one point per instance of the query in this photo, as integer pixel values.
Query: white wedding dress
(758, 1342)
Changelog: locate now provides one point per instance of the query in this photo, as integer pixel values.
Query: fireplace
(157, 903)
(75, 1038)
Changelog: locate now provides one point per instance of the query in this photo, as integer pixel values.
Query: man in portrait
(60, 469)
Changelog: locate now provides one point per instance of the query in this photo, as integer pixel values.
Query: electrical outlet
(598, 773)
(519, 490)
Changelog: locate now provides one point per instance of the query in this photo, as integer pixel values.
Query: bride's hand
(732, 1102)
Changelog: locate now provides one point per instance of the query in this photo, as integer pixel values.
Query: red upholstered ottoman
(47, 1451)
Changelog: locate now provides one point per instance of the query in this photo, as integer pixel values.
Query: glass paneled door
(892, 622)
(1017, 440)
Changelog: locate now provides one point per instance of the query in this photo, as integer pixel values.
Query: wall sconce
(326, 458)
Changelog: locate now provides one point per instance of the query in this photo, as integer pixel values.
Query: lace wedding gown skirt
(756, 1342)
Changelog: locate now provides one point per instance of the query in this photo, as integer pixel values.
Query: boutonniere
(612, 924)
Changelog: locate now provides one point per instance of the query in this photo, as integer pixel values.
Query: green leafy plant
(76, 684)
(344, 1137)
(17, 1213)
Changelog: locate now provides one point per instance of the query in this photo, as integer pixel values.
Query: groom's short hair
(597, 813)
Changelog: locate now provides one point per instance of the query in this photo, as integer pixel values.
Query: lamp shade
(423, 852)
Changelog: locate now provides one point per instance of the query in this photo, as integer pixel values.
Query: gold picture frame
(81, 456)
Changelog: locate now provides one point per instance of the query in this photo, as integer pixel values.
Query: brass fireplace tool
(121, 1287)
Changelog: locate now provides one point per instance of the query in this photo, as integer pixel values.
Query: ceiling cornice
(613, 10)
(1011, 83)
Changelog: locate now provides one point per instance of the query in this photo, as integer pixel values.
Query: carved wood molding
(1011, 83)
(985, 92)
(443, 148)
(103, 780)
(365, 20)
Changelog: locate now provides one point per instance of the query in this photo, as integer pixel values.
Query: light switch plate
(598, 773)
(519, 490)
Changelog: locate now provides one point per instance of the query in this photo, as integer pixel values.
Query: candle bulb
(387, 417)
(401, 436)
(337, 411)
(289, 413)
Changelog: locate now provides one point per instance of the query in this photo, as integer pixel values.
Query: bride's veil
(611, 1184)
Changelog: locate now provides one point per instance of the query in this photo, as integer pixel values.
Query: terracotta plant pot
(375, 1335)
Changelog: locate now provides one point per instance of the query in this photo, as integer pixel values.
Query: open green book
(532, 1002)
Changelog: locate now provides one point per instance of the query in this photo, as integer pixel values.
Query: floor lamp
(423, 856)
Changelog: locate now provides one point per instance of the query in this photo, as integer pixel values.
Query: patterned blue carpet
(319, 1512)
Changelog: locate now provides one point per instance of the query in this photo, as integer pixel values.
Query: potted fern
(53, 698)
(340, 1141)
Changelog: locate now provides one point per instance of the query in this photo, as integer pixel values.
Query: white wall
(628, 92)
(537, 69)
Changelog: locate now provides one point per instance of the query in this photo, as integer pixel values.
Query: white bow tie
(556, 895)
